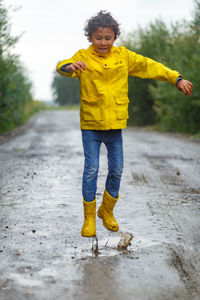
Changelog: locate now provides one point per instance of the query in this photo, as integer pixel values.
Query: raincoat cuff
(179, 78)
(63, 68)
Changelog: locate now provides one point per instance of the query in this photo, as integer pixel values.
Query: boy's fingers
(81, 64)
(186, 91)
(189, 92)
(190, 84)
(73, 68)
(78, 66)
(188, 88)
(84, 66)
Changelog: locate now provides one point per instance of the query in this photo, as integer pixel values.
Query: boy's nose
(103, 42)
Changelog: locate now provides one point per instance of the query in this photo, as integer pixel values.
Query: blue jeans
(92, 140)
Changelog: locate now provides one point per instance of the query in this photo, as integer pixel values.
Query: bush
(15, 88)
(159, 102)
(66, 90)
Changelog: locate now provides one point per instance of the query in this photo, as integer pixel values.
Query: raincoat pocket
(91, 110)
(122, 108)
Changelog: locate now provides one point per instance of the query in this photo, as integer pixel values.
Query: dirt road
(43, 256)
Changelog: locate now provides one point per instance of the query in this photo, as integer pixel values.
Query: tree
(66, 90)
(151, 42)
(175, 112)
(178, 47)
(15, 88)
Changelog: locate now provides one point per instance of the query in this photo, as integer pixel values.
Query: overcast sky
(53, 29)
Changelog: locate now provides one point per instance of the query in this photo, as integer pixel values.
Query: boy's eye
(107, 38)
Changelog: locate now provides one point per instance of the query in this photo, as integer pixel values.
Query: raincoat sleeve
(78, 56)
(144, 67)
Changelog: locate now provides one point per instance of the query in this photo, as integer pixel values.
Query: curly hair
(102, 19)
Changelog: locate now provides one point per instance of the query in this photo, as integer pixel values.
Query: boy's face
(102, 40)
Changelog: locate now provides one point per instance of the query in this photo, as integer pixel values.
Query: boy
(103, 72)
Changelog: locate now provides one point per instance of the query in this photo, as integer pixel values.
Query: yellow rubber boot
(89, 226)
(105, 212)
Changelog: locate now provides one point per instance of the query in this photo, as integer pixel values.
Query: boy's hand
(77, 66)
(185, 86)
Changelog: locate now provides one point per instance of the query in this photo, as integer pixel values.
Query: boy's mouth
(103, 49)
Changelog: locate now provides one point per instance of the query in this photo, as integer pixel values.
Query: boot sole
(88, 235)
(105, 225)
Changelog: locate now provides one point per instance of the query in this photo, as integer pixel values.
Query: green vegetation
(15, 88)
(66, 90)
(33, 107)
(159, 103)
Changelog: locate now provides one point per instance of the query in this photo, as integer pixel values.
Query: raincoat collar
(93, 52)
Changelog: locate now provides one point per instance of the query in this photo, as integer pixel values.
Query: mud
(42, 253)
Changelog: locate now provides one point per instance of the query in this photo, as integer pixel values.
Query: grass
(29, 110)
(32, 108)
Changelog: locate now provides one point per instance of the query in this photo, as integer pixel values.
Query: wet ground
(42, 254)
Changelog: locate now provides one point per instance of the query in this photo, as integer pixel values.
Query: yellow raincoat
(104, 84)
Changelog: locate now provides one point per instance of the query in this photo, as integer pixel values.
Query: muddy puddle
(95, 247)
